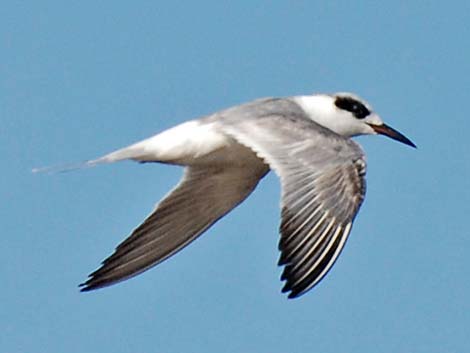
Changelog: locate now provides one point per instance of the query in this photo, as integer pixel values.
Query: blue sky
(81, 79)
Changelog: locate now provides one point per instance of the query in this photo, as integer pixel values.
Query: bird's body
(304, 139)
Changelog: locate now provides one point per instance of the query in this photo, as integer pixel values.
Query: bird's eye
(352, 105)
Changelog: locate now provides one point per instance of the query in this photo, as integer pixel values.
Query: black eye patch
(352, 105)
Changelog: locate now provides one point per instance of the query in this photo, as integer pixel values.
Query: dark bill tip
(392, 133)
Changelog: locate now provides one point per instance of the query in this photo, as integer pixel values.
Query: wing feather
(203, 196)
(323, 186)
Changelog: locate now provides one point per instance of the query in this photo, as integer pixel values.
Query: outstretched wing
(204, 195)
(323, 185)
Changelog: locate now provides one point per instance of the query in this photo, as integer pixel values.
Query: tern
(305, 140)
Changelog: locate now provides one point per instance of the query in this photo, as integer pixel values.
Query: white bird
(305, 140)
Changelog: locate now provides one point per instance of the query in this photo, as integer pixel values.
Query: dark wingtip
(89, 286)
(292, 295)
(84, 287)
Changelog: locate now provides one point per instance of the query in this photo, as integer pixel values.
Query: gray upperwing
(204, 195)
(323, 185)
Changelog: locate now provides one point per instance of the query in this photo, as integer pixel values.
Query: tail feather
(63, 168)
(133, 152)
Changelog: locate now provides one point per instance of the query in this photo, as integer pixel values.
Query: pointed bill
(392, 133)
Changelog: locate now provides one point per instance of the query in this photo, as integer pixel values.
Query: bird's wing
(323, 185)
(204, 195)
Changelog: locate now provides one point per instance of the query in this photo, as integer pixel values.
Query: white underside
(191, 143)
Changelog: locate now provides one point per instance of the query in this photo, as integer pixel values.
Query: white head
(347, 115)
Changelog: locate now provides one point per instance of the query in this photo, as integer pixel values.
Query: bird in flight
(305, 140)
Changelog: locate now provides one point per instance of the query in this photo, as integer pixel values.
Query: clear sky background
(80, 79)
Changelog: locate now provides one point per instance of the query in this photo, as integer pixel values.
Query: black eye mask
(352, 105)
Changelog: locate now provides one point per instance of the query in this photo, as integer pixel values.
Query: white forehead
(317, 104)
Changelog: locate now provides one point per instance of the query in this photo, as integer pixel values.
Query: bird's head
(347, 115)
